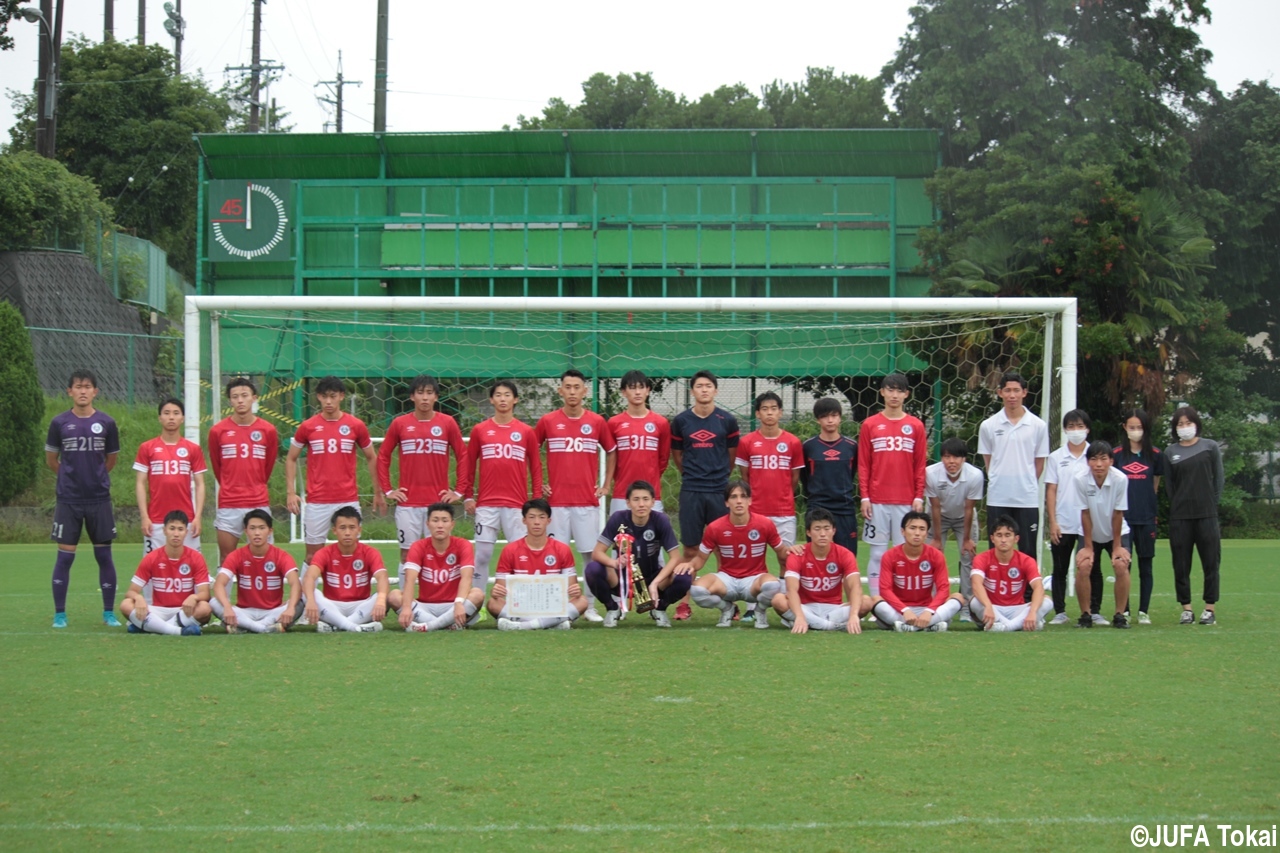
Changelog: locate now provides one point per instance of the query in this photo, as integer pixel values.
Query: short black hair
(347, 511)
(1188, 412)
(767, 397)
(704, 374)
(1008, 522)
(329, 385)
(817, 514)
(1098, 448)
(176, 515)
(573, 373)
(423, 381)
(242, 382)
(1012, 376)
(504, 383)
(260, 515)
(86, 375)
(955, 447)
(913, 515)
(440, 506)
(735, 485)
(895, 381)
(643, 486)
(536, 503)
(827, 406)
(634, 378)
(171, 401)
(1078, 415)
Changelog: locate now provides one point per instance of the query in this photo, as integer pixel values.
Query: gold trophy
(630, 578)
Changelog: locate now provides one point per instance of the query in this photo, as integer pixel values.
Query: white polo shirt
(952, 494)
(1014, 449)
(1062, 470)
(1102, 501)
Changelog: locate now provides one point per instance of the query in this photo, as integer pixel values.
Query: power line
(335, 86)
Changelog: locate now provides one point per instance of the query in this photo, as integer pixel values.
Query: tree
(21, 406)
(125, 120)
(614, 103)
(237, 97)
(826, 99)
(8, 9)
(44, 204)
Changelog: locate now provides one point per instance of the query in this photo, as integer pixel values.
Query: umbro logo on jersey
(559, 426)
(1135, 467)
(833, 455)
(700, 435)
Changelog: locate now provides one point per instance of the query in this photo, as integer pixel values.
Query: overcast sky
(462, 66)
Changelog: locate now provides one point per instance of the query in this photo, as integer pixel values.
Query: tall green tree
(42, 204)
(826, 99)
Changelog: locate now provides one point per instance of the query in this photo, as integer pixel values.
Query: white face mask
(1186, 433)
(1077, 436)
(1134, 434)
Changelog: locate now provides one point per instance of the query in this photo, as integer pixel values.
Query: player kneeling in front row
(739, 541)
(536, 554)
(260, 571)
(438, 571)
(814, 578)
(179, 581)
(1000, 578)
(915, 590)
(646, 534)
(349, 568)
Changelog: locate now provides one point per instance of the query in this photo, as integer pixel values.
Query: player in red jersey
(892, 456)
(916, 593)
(331, 439)
(536, 554)
(179, 581)
(260, 571)
(814, 579)
(772, 459)
(424, 438)
(437, 584)
(643, 439)
(1000, 577)
(242, 454)
(349, 569)
(507, 452)
(169, 468)
(739, 540)
(574, 438)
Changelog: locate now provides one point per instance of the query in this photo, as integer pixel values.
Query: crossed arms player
(438, 587)
(815, 578)
(349, 569)
(1001, 576)
(179, 580)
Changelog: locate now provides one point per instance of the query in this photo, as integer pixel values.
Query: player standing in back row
(169, 468)
(242, 454)
(891, 461)
(643, 440)
(831, 472)
(773, 460)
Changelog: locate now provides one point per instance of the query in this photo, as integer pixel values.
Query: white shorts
(427, 611)
(786, 528)
(490, 518)
(739, 589)
(411, 524)
(155, 541)
(166, 614)
(884, 525)
(317, 519)
(231, 519)
(346, 608)
(257, 614)
(619, 504)
(838, 614)
(580, 522)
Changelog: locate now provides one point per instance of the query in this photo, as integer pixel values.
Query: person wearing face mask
(1143, 464)
(1194, 479)
(1062, 509)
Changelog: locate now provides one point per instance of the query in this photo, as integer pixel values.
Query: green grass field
(693, 738)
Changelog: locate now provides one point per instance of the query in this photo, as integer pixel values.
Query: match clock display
(249, 221)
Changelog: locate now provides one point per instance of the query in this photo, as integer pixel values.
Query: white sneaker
(965, 617)
(302, 620)
(762, 618)
(1060, 619)
(505, 624)
(610, 618)
(592, 616)
(1099, 619)
(998, 627)
(324, 628)
(726, 617)
(1143, 619)
(277, 628)
(903, 627)
(940, 628)
(566, 625)
(661, 618)
(371, 627)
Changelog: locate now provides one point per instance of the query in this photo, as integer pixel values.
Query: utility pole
(255, 72)
(142, 21)
(176, 26)
(108, 20)
(380, 72)
(264, 69)
(335, 86)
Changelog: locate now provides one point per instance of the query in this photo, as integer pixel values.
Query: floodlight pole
(48, 94)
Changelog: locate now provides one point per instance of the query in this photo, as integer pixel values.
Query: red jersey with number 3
(259, 580)
(822, 579)
(769, 463)
(644, 450)
(519, 559)
(170, 469)
(508, 457)
(740, 550)
(242, 458)
(922, 582)
(1005, 583)
(439, 574)
(891, 460)
(424, 456)
(172, 580)
(347, 577)
(331, 456)
(573, 455)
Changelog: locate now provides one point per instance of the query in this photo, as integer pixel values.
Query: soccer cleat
(788, 620)
(997, 627)
(1207, 618)
(965, 617)
(192, 630)
(481, 615)
(324, 628)
(59, 620)
(505, 624)
(1099, 619)
(1086, 621)
(1187, 618)
(214, 622)
(1143, 619)
(1060, 619)
(109, 619)
(420, 627)
(566, 625)
(232, 629)
(610, 619)
(762, 619)
(903, 628)
(371, 627)
(683, 611)
(661, 618)
(727, 616)
(276, 628)
(592, 616)
(303, 620)
(1119, 621)
(939, 628)
(133, 629)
